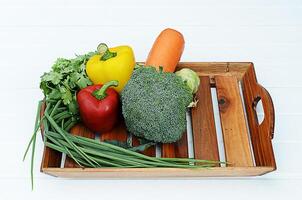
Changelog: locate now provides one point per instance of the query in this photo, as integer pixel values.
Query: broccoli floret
(154, 105)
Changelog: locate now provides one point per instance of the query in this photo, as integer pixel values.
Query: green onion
(33, 143)
(94, 147)
(62, 132)
(62, 114)
(55, 108)
(88, 152)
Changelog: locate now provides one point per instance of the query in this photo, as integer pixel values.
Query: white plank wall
(33, 33)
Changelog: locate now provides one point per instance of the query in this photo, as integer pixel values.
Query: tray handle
(268, 123)
(253, 92)
(261, 134)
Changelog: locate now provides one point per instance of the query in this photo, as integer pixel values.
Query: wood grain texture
(233, 123)
(51, 158)
(168, 150)
(156, 172)
(261, 134)
(119, 133)
(212, 69)
(181, 147)
(177, 149)
(203, 123)
(80, 130)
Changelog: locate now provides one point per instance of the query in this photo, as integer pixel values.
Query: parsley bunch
(66, 77)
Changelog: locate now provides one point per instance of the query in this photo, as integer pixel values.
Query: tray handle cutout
(268, 121)
(258, 109)
(269, 112)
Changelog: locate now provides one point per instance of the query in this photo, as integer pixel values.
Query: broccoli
(154, 105)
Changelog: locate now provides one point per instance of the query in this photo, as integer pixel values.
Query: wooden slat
(51, 158)
(203, 124)
(168, 150)
(234, 127)
(181, 147)
(79, 130)
(262, 134)
(178, 149)
(119, 133)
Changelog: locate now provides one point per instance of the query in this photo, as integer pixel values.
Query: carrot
(166, 50)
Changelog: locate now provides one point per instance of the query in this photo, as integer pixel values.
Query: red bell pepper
(99, 106)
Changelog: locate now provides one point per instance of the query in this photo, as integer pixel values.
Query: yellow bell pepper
(115, 63)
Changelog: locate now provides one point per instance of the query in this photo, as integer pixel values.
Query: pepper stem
(101, 93)
(104, 52)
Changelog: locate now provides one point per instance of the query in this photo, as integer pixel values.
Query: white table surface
(33, 33)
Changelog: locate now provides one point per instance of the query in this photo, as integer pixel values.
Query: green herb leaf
(74, 77)
(83, 82)
(46, 89)
(60, 65)
(66, 77)
(54, 94)
(66, 95)
(54, 77)
(73, 107)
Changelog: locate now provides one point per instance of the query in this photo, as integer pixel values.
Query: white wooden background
(33, 33)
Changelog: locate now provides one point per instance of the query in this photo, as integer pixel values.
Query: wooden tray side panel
(146, 173)
(233, 123)
(262, 134)
(203, 124)
(213, 69)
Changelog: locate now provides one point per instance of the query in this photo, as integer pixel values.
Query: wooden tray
(247, 144)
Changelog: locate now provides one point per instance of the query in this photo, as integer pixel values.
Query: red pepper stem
(101, 93)
(104, 52)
